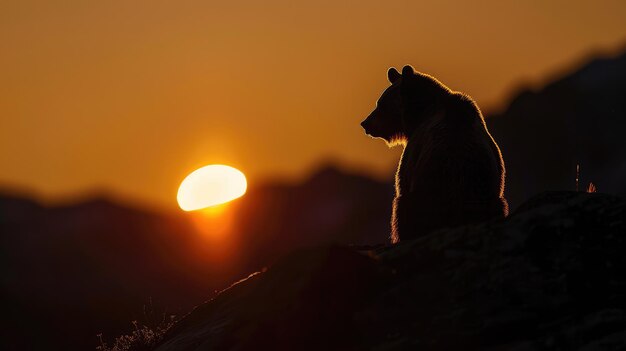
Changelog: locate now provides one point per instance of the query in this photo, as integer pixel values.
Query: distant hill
(71, 272)
(577, 119)
(330, 207)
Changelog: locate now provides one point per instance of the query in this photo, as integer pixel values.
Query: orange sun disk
(209, 186)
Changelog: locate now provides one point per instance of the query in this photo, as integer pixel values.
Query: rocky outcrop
(550, 277)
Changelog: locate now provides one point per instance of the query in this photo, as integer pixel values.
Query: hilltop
(550, 277)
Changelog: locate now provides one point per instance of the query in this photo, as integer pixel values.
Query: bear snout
(367, 126)
(368, 123)
(364, 125)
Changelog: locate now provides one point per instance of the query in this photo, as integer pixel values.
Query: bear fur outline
(451, 171)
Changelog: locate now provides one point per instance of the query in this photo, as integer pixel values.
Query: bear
(451, 171)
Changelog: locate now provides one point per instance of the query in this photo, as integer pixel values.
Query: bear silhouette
(451, 171)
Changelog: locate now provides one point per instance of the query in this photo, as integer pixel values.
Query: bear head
(411, 98)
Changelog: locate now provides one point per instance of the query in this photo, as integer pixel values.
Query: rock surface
(550, 277)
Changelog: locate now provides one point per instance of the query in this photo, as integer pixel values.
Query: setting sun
(210, 186)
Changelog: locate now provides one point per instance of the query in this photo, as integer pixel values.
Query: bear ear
(393, 75)
(408, 70)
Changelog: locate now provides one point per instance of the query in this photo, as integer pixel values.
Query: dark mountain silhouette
(330, 207)
(73, 271)
(577, 119)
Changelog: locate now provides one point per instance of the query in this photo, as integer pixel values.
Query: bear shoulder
(461, 110)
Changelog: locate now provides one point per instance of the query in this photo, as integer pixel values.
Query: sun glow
(210, 186)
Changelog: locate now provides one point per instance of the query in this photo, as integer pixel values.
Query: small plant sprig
(143, 338)
(591, 188)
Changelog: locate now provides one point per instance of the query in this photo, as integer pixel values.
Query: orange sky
(130, 96)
